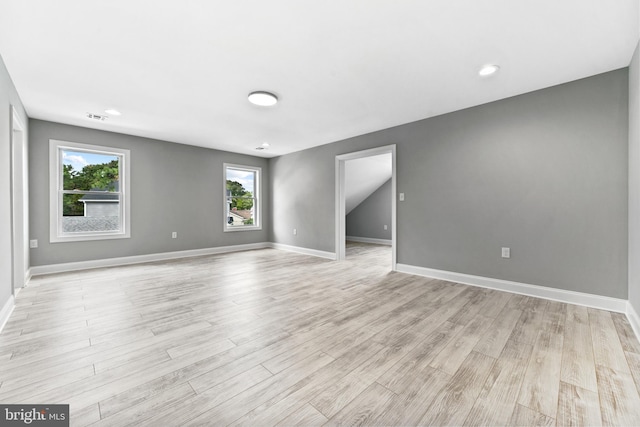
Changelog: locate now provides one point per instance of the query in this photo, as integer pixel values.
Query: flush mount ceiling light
(263, 99)
(113, 112)
(488, 70)
(266, 145)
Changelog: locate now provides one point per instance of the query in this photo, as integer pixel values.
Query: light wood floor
(274, 338)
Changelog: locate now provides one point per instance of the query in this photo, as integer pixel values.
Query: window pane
(242, 206)
(87, 171)
(241, 182)
(240, 211)
(93, 212)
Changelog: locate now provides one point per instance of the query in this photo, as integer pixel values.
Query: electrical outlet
(506, 252)
(295, 231)
(402, 197)
(33, 243)
(174, 235)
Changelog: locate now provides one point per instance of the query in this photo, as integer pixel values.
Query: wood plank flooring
(268, 337)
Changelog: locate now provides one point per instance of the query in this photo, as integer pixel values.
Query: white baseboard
(561, 295)
(137, 259)
(634, 319)
(369, 240)
(6, 311)
(304, 251)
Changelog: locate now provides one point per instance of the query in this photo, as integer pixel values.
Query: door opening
(345, 201)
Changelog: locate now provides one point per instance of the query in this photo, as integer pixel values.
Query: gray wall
(543, 173)
(634, 181)
(370, 216)
(8, 98)
(174, 187)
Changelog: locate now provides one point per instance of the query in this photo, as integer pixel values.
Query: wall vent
(98, 117)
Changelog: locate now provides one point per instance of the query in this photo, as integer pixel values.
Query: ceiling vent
(97, 117)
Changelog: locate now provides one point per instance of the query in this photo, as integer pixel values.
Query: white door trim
(340, 217)
(19, 203)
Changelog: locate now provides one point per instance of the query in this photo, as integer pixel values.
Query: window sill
(231, 230)
(88, 237)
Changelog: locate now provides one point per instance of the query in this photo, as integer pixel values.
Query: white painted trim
(56, 234)
(340, 218)
(138, 259)
(394, 220)
(19, 235)
(340, 213)
(257, 207)
(370, 240)
(6, 311)
(634, 319)
(571, 297)
(303, 251)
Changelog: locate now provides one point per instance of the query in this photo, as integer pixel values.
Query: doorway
(19, 204)
(341, 197)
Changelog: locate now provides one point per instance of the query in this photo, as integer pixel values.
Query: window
(242, 198)
(89, 192)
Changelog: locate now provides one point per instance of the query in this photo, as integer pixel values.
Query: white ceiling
(181, 71)
(364, 176)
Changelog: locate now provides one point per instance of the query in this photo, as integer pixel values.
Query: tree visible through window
(241, 197)
(100, 177)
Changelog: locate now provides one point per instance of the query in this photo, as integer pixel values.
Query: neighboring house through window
(89, 192)
(242, 198)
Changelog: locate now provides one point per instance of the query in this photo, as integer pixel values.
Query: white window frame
(257, 206)
(56, 234)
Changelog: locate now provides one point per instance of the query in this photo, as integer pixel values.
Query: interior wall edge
(633, 254)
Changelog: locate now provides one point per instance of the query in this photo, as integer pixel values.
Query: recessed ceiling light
(113, 112)
(263, 99)
(266, 145)
(488, 70)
